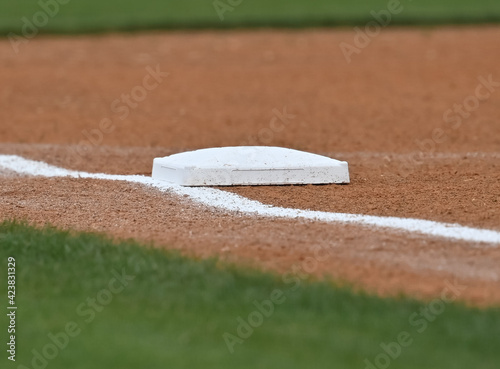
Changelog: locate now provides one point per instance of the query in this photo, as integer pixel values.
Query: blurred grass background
(175, 310)
(83, 16)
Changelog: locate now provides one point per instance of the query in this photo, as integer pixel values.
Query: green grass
(174, 312)
(79, 16)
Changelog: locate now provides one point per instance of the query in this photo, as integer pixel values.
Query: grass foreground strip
(84, 301)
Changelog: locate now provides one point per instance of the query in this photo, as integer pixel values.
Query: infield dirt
(381, 113)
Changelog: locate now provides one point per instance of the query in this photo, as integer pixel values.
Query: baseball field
(104, 267)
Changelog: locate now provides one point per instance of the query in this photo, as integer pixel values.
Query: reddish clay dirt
(380, 112)
(386, 263)
(223, 87)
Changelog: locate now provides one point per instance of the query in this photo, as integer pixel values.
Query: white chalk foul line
(231, 202)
